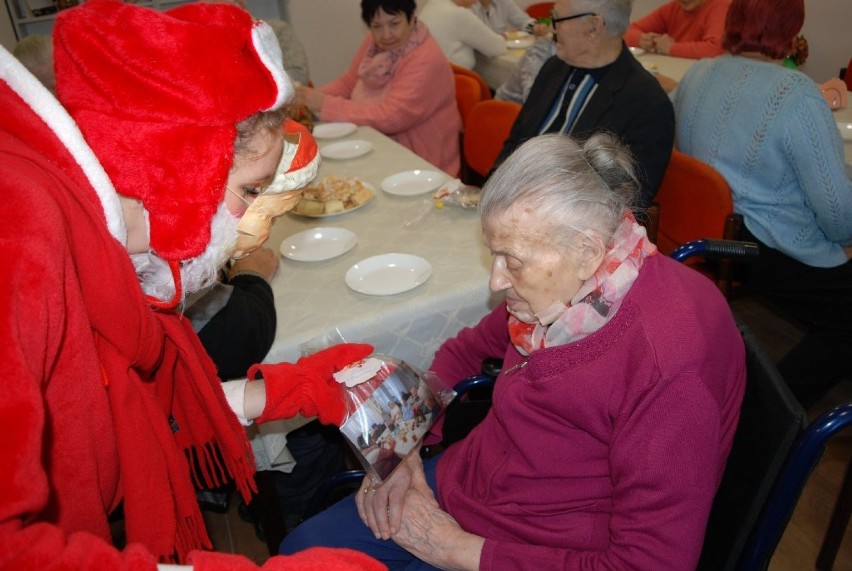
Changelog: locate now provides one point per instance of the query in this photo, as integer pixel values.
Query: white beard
(154, 274)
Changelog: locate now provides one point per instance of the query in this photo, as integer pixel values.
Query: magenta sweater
(417, 107)
(604, 453)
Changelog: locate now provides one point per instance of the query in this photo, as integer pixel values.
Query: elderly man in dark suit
(594, 83)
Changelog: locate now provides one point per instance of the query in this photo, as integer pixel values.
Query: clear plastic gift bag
(452, 193)
(390, 408)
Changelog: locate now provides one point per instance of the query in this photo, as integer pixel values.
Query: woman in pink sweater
(623, 373)
(400, 83)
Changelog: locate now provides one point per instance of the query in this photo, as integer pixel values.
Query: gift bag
(390, 408)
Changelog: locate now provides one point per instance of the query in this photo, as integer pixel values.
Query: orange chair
(488, 126)
(693, 202)
(540, 10)
(467, 95)
(485, 91)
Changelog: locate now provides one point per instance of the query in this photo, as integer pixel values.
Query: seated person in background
(517, 86)
(606, 441)
(292, 50)
(592, 84)
(504, 16)
(400, 83)
(767, 129)
(681, 28)
(459, 32)
(138, 205)
(36, 53)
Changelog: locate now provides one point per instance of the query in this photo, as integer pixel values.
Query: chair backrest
(467, 95)
(694, 202)
(484, 90)
(540, 10)
(770, 421)
(488, 126)
(847, 75)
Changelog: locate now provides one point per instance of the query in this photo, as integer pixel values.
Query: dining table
(316, 308)
(496, 70)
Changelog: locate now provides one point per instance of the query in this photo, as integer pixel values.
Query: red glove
(311, 559)
(307, 387)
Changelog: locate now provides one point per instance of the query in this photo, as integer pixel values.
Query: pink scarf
(598, 299)
(378, 66)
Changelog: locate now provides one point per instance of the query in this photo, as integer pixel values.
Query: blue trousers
(340, 526)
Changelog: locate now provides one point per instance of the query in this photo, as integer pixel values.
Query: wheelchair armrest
(464, 386)
(491, 366)
(712, 248)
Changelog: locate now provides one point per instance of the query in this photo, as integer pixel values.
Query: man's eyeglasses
(554, 19)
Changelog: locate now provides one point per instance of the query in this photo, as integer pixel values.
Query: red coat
(103, 397)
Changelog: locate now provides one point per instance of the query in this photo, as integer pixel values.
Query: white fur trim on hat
(269, 51)
(45, 105)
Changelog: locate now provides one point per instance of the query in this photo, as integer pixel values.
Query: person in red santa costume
(162, 152)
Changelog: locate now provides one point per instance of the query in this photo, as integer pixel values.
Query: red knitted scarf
(166, 400)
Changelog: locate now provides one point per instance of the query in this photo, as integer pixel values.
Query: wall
(263, 9)
(7, 33)
(332, 29)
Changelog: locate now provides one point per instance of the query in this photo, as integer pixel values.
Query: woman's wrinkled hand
(834, 93)
(542, 30)
(434, 536)
(646, 42)
(310, 97)
(263, 262)
(380, 507)
(663, 44)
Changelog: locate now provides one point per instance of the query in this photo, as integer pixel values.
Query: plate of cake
(334, 195)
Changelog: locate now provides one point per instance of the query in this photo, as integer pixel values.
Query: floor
(800, 544)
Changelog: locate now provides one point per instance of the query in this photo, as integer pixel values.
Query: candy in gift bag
(390, 407)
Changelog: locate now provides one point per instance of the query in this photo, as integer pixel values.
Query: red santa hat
(157, 96)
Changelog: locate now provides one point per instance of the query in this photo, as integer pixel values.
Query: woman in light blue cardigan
(769, 132)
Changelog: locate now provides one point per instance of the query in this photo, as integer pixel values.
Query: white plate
(346, 149)
(411, 183)
(634, 51)
(333, 130)
(845, 130)
(520, 43)
(388, 274)
(318, 244)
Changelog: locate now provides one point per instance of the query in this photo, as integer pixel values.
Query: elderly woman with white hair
(615, 410)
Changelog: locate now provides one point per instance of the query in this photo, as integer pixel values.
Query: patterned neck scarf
(378, 67)
(598, 299)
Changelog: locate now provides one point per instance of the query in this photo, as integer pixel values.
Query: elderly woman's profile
(615, 409)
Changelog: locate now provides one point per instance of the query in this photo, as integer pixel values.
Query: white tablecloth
(844, 117)
(313, 301)
(312, 298)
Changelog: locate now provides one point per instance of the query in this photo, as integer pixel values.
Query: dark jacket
(628, 103)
